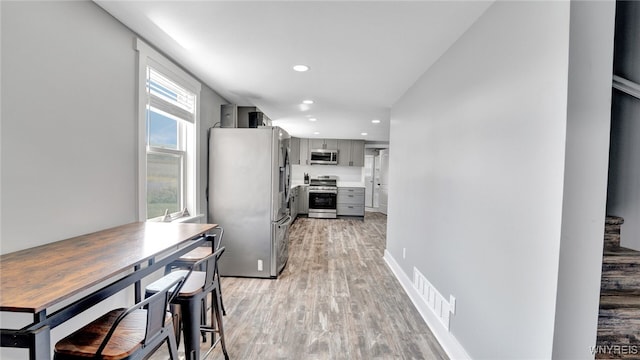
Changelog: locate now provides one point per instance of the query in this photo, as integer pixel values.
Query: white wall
(585, 181)
(349, 174)
(69, 139)
(476, 178)
(69, 123)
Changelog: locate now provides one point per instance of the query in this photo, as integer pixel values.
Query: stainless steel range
(323, 194)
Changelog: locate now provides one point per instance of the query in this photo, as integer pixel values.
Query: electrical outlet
(452, 304)
(259, 265)
(404, 253)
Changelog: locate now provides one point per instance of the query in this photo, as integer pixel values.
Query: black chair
(133, 333)
(187, 260)
(197, 286)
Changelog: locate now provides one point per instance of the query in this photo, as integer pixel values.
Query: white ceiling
(363, 54)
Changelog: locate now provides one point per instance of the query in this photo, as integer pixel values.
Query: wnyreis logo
(615, 349)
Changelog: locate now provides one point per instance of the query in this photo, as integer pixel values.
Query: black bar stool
(197, 286)
(187, 260)
(132, 333)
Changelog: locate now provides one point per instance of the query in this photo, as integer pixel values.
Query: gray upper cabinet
(294, 153)
(323, 144)
(351, 152)
(299, 154)
(344, 152)
(304, 151)
(357, 152)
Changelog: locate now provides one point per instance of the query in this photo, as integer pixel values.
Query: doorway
(369, 176)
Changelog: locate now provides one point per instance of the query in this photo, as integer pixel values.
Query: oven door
(322, 203)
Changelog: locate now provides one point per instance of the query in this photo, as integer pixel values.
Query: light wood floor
(335, 299)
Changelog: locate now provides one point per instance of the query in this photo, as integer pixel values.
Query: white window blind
(169, 97)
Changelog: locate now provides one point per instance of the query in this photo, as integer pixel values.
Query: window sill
(183, 219)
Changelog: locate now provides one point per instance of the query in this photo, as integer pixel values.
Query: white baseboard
(449, 343)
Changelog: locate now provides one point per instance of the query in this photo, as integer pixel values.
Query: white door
(368, 180)
(384, 181)
(376, 181)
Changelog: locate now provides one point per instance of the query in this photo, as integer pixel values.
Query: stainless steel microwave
(324, 157)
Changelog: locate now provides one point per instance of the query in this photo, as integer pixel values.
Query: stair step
(619, 322)
(612, 232)
(611, 241)
(613, 220)
(615, 349)
(620, 301)
(620, 271)
(620, 325)
(620, 314)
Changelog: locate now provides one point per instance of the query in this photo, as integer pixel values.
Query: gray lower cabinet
(303, 199)
(350, 201)
(294, 200)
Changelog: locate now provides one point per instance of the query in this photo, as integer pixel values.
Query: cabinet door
(294, 152)
(303, 200)
(331, 144)
(350, 201)
(294, 204)
(304, 151)
(349, 210)
(357, 153)
(344, 152)
(316, 144)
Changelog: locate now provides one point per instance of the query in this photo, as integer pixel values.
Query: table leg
(40, 344)
(37, 341)
(137, 288)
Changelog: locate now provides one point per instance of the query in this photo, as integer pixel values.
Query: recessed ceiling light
(308, 102)
(316, 133)
(301, 68)
(375, 121)
(364, 134)
(313, 119)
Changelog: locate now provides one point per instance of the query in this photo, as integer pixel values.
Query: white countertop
(340, 184)
(350, 184)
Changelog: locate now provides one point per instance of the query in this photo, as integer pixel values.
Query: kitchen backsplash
(344, 173)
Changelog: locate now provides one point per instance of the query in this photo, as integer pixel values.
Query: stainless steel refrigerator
(249, 184)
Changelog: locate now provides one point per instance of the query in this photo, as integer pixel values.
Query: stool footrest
(213, 345)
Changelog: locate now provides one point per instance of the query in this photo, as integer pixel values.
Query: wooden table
(34, 280)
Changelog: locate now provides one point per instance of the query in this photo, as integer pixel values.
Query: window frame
(187, 131)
